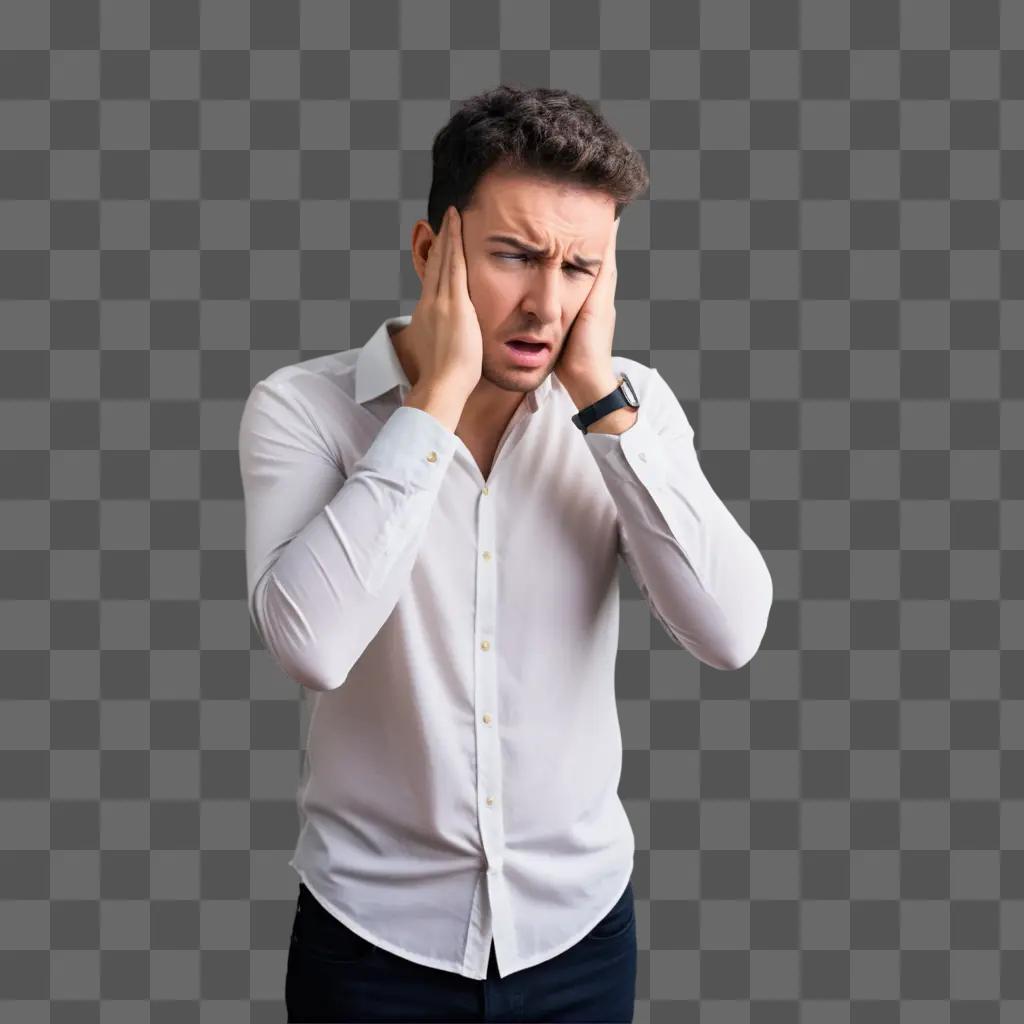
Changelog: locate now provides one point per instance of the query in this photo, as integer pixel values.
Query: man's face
(515, 293)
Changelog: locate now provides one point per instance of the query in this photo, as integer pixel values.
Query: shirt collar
(378, 368)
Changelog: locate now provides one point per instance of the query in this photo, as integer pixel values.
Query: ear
(423, 237)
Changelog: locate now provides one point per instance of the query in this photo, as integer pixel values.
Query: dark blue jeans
(335, 975)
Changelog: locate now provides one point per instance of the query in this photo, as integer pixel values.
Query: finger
(604, 285)
(613, 265)
(443, 251)
(457, 264)
(608, 260)
(430, 274)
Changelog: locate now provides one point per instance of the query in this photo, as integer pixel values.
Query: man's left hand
(585, 363)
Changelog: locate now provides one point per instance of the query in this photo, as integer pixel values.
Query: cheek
(487, 278)
(490, 291)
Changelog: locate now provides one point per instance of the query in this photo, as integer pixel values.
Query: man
(433, 527)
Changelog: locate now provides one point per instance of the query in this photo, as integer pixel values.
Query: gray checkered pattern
(829, 272)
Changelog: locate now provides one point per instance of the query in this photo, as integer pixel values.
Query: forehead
(542, 211)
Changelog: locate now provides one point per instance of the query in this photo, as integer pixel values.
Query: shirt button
(432, 457)
(642, 457)
(487, 718)
(487, 490)
(490, 801)
(487, 556)
(485, 645)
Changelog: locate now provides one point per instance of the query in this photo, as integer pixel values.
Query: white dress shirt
(457, 637)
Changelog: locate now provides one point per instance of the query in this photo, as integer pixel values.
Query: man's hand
(584, 366)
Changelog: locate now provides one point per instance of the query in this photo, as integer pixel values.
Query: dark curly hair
(552, 133)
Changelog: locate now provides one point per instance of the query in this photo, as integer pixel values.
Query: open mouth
(526, 346)
(527, 354)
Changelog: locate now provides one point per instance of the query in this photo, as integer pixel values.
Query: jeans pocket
(618, 921)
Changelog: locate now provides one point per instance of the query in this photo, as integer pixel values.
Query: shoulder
(308, 376)
(313, 387)
(309, 404)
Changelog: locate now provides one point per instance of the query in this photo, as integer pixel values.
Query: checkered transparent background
(828, 270)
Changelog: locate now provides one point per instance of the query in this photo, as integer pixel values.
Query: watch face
(630, 394)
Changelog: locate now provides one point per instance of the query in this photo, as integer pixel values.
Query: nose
(543, 298)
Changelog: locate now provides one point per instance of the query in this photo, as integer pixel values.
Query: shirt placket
(488, 723)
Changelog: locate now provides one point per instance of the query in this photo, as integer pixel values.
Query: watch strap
(597, 410)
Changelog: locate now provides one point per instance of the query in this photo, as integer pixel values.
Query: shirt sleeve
(702, 576)
(327, 557)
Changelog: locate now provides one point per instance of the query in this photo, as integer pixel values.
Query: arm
(703, 577)
(328, 557)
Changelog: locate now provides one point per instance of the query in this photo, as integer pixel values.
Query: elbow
(289, 641)
(308, 667)
(735, 661)
(742, 651)
(726, 659)
(315, 681)
(732, 657)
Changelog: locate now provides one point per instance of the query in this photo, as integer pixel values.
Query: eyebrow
(531, 251)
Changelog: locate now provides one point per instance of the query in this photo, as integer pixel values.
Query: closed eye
(520, 256)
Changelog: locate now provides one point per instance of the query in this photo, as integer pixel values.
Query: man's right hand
(444, 323)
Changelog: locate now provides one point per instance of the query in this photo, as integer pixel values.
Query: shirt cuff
(635, 447)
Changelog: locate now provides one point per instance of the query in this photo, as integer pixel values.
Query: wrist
(584, 391)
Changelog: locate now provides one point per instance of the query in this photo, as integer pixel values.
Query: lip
(537, 358)
(530, 337)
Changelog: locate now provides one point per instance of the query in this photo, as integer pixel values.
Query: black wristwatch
(622, 395)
